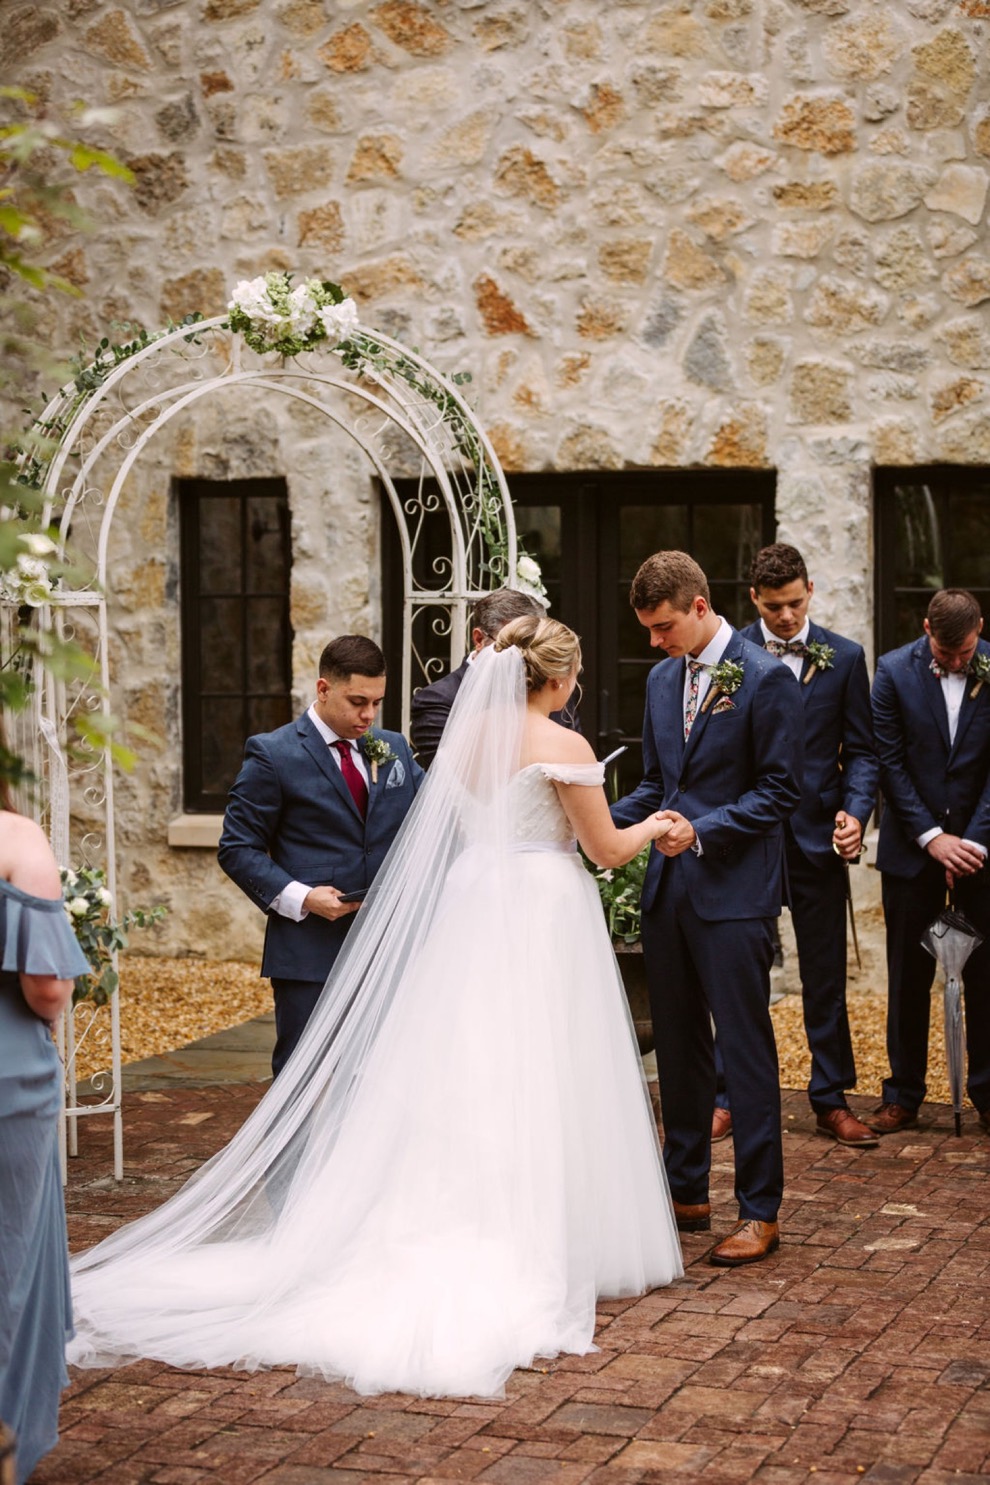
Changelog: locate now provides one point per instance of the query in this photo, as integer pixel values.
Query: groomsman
(838, 790)
(311, 815)
(431, 704)
(931, 717)
(722, 750)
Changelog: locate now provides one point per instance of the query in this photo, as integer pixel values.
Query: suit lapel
(668, 725)
(969, 704)
(931, 689)
(732, 651)
(318, 749)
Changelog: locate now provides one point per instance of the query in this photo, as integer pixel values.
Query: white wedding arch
(400, 412)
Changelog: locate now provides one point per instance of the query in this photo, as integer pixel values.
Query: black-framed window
(236, 632)
(932, 531)
(590, 532)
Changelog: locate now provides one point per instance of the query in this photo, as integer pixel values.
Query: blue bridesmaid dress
(35, 1315)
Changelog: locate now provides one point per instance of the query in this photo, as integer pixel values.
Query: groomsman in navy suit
(838, 792)
(931, 717)
(311, 815)
(722, 751)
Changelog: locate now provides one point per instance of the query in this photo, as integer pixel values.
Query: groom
(311, 815)
(722, 756)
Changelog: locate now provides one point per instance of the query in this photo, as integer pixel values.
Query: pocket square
(723, 704)
(396, 775)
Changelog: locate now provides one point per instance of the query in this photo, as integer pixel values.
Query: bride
(460, 1155)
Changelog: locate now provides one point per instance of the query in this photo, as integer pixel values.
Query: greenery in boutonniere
(979, 667)
(376, 750)
(822, 657)
(725, 678)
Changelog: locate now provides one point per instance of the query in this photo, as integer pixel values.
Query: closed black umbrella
(951, 939)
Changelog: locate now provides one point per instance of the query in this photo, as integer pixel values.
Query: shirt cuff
(976, 846)
(289, 902)
(697, 847)
(922, 840)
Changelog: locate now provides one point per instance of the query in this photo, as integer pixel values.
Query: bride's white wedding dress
(481, 1163)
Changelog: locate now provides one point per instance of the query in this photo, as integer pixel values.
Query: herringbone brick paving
(860, 1351)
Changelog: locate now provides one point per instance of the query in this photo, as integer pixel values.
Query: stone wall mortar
(737, 233)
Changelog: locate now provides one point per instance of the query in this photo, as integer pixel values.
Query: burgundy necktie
(352, 777)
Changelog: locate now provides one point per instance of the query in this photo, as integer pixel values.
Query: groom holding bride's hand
(722, 754)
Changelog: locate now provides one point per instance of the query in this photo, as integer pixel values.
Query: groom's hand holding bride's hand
(326, 903)
(679, 835)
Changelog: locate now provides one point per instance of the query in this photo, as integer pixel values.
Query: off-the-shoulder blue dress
(35, 1315)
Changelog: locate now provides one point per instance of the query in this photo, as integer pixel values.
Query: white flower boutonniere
(376, 750)
(979, 667)
(822, 657)
(725, 678)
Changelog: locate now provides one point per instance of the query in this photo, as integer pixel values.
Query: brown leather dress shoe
(721, 1125)
(748, 1242)
(693, 1218)
(843, 1126)
(890, 1117)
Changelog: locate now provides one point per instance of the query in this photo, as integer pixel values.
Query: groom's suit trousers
(698, 966)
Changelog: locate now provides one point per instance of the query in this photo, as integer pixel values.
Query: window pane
(918, 560)
(538, 534)
(649, 528)
(222, 742)
(970, 539)
(726, 539)
(220, 544)
(266, 548)
(221, 656)
(267, 643)
(265, 713)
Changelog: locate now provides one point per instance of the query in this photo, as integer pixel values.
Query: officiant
(309, 821)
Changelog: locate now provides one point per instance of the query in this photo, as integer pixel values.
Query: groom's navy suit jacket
(290, 817)
(927, 781)
(736, 778)
(840, 763)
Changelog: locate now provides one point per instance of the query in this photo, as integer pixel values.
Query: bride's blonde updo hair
(549, 649)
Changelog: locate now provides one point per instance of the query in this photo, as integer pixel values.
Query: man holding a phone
(309, 821)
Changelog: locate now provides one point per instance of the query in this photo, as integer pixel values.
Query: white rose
(37, 543)
(339, 320)
(529, 572)
(78, 907)
(103, 898)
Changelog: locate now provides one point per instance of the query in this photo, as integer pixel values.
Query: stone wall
(728, 233)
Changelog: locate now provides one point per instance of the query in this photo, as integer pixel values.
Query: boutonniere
(725, 678)
(376, 750)
(821, 657)
(979, 666)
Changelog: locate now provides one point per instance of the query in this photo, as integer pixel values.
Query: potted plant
(620, 889)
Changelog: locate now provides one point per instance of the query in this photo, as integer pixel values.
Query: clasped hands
(674, 833)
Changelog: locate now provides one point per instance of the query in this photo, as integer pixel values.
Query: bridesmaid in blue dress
(39, 956)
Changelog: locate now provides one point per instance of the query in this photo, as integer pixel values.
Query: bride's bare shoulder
(551, 743)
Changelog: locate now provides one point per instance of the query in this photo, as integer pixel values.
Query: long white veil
(457, 824)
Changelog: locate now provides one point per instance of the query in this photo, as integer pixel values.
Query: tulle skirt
(496, 1169)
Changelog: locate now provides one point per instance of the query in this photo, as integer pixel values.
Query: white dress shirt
(953, 691)
(289, 902)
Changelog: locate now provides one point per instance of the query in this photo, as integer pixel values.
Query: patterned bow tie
(941, 671)
(781, 647)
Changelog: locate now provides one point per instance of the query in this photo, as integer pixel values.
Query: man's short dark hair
(777, 565)
(953, 616)
(668, 577)
(493, 610)
(351, 654)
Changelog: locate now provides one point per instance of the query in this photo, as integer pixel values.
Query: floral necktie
(695, 667)
(352, 777)
(781, 647)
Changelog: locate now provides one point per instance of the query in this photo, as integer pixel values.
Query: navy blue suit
(928, 781)
(291, 817)
(431, 707)
(707, 919)
(840, 773)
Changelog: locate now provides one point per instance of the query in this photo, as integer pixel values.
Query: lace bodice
(537, 812)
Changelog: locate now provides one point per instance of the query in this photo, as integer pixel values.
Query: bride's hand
(660, 826)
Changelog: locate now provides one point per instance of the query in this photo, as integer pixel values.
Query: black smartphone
(357, 896)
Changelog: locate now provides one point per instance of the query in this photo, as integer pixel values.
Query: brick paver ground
(860, 1351)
